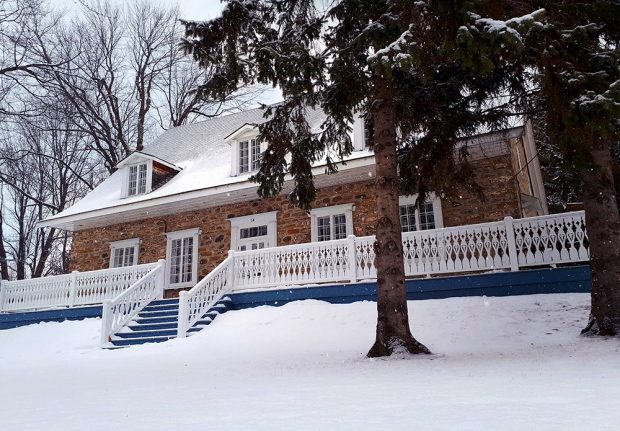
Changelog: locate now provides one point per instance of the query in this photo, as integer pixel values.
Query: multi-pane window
(124, 253)
(427, 216)
(332, 226)
(324, 228)
(181, 260)
(413, 218)
(255, 154)
(253, 232)
(407, 218)
(123, 257)
(137, 179)
(249, 156)
(244, 157)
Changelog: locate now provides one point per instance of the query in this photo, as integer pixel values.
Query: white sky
(198, 10)
(190, 9)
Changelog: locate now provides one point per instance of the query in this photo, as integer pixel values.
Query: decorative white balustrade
(506, 244)
(123, 308)
(193, 304)
(314, 262)
(69, 290)
(556, 238)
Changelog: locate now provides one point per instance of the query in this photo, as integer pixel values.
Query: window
(254, 232)
(331, 223)
(428, 216)
(124, 253)
(137, 179)
(182, 257)
(249, 156)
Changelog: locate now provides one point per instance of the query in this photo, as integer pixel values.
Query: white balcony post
(162, 277)
(352, 258)
(2, 287)
(73, 288)
(106, 323)
(512, 244)
(231, 270)
(183, 314)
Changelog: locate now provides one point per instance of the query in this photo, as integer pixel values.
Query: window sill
(179, 286)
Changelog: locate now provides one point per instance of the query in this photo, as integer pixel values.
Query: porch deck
(508, 245)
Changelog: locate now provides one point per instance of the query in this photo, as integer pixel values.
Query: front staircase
(158, 322)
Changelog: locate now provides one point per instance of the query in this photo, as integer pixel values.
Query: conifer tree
(393, 61)
(423, 73)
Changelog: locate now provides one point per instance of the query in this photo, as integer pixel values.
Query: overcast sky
(190, 9)
(199, 10)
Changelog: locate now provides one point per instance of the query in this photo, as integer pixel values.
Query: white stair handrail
(121, 310)
(193, 304)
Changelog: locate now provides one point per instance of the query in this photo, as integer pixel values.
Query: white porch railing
(69, 290)
(193, 304)
(507, 244)
(123, 308)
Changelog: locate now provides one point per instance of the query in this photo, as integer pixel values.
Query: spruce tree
(576, 56)
(400, 64)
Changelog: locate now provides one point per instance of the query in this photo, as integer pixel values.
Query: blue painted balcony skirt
(566, 279)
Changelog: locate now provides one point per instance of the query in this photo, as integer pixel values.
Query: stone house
(186, 198)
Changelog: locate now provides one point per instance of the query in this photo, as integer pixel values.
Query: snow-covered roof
(203, 155)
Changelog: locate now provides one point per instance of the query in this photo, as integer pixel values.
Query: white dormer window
(246, 150)
(142, 172)
(137, 179)
(249, 156)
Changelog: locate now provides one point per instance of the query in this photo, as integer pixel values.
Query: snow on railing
(123, 308)
(69, 290)
(193, 304)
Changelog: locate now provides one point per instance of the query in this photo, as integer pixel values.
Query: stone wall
(91, 248)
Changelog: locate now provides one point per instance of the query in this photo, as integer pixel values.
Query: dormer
(245, 150)
(142, 173)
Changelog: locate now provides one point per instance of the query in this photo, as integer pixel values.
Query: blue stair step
(165, 301)
(147, 334)
(165, 313)
(152, 334)
(162, 307)
(157, 323)
(143, 321)
(204, 322)
(153, 326)
(137, 341)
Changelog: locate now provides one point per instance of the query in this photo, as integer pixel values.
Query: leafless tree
(78, 94)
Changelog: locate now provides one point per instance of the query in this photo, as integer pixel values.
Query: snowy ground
(500, 364)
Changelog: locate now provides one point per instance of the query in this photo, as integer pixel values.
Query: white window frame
(247, 133)
(270, 219)
(316, 213)
(126, 243)
(437, 212)
(171, 236)
(149, 178)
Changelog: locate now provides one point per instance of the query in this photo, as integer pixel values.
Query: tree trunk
(4, 265)
(603, 224)
(393, 333)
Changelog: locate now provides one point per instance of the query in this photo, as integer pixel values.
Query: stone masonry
(91, 248)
